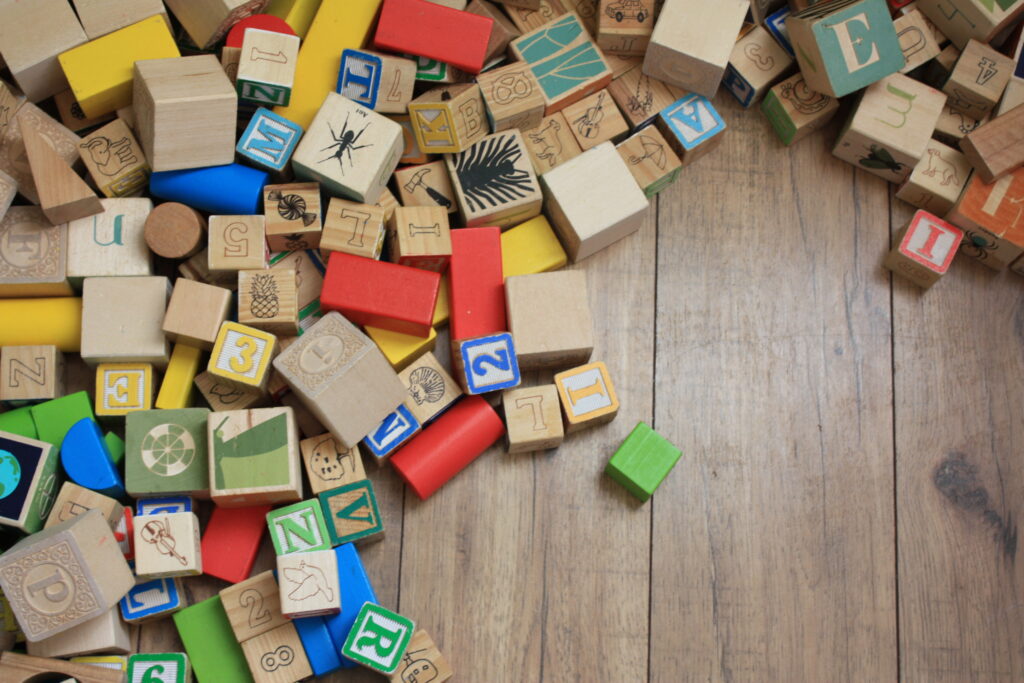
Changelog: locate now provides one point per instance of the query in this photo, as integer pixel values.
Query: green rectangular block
(210, 643)
(19, 421)
(298, 528)
(54, 418)
(773, 110)
(166, 452)
(642, 461)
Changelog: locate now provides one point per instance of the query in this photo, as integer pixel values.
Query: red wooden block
(422, 28)
(380, 294)
(232, 540)
(476, 284)
(448, 445)
(264, 22)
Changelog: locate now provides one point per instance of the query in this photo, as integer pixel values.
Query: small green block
(776, 114)
(169, 667)
(54, 418)
(351, 512)
(115, 446)
(642, 461)
(210, 642)
(298, 528)
(19, 421)
(378, 638)
(166, 452)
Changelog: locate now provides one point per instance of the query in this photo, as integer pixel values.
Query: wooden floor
(846, 505)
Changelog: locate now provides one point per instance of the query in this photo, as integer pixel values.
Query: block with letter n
(269, 140)
(378, 638)
(298, 528)
(352, 513)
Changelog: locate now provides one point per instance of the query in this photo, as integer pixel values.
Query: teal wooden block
(550, 39)
(210, 643)
(54, 418)
(298, 528)
(19, 421)
(642, 461)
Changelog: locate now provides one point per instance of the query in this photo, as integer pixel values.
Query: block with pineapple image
(268, 300)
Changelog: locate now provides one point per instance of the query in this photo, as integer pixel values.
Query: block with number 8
(241, 355)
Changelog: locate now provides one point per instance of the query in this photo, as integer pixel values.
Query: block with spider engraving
(494, 181)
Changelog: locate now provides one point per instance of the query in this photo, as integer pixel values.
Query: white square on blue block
(490, 363)
(397, 428)
(269, 140)
(693, 120)
(359, 77)
(167, 504)
(150, 599)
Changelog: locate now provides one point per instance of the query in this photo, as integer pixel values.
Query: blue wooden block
(394, 430)
(359, 77)
(230, 190)
(356, 590)
(692, 121)
(167, 504)
(316, 641)
(738, 86)
(489, 363)
(776, 25)
(269, 140)
(87, 462)
(151, 599)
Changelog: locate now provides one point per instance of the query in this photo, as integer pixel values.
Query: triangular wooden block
(63, 196)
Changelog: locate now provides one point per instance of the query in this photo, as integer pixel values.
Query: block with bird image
(308, 584)
(115, 160)
(292, 216)
(167, 545)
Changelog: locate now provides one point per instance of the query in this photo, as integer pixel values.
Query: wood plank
(959, 384)
(773, 551)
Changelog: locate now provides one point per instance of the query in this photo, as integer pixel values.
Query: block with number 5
(487, 363)
(378, 639)
(924, 249)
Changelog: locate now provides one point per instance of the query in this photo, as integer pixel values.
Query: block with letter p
(924, 249)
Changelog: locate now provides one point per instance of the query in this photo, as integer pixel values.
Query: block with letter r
(269, 140)
(378, 638)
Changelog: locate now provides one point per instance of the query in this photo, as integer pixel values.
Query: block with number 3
(924, 249)
(241, 355)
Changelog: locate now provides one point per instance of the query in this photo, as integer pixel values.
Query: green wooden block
(378, 638)
(19, 421)
(54, 418)
(168, 667)
(28, 481)
(166, 452)
(776, 114)
(351, 512)
(115, 446)
(298, 528)
(210, 643)
(642, 461)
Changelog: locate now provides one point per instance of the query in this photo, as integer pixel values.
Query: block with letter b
(487, 363)
(924, 249)
(588, 396)
(378, 638)
(448, 119)
(242, 355)
(269, 140)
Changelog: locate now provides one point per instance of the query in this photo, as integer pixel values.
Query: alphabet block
(570, 75)
(424, 28)
(167, 545)
(651, 160)
(122, 388)
(168, 667)
(309, 583)
(110, 243)
(349, 149)
(924, 249)
(268, 300)
(757, 61)
(978, 80)
(422, 658)
(266, 67)
(588, 396)
(420, 238)
(30, 374)
(624, 28)
(795, 111)
(411, 153)
(692, 126)
(431, 390)
(513, 97)
(253, 606)
(32, 57)
(196, 312)
(232, 540)
(152, 600)
(115, 160)
(277, 656)
(639, 96)
(919, 42)
(552, 143)
(166, 452)
(549, 318)
(298, 528)
(426, 185)
(31, 482)
(379, 639)
(353, 228)
(529, 15)
(531, 247)
(380, 82)
(642, 462)
(937, 180)
(329, 464)
(533, 418)
(963, 20)
(990, 216)
(206, 21)
(222, 395)
(292, 216)
(351, 513)
(486, 363)
(269, 141)
(122, 320)
(254, 457)
(74, 500)
(476, 285)
(448, 119)
(394, 430)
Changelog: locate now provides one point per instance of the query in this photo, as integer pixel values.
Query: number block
(756, 63)
(692, 126)
(309, 583)
(122, 388)
(978, 80)
(651, 160)
(74, 500)
(512, 96)
(153, 600)
(30, 374)
(448, 119)
(353, 228)
(169, 667)
(420, 237)
(122, 320)
(254, 457)
(269, 141)
(33, 254)
(298, 528)
(292, 216)
(379, 639)
(795, 111)
(329, 464)
(266, 67)
(642, 462)
(937, 180)
(241, 355)
(487, 363)
(549, 318)
(588, 396)
(115, 160)
(398, 427)
(352, 513)
(237, 243)
(166, 452)
(253, 606)
(924, 249)
(533, 418)
(268, 300)
(29, 481)
(380, 82)
(167, 544)
(422, 660)
(431, 390)
(277, 656)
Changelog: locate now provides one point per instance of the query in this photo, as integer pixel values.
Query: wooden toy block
(571, 75)
(232, 540)
(442, 309)
(642, 462)
(169, 667)
(167, 545)
(550, 144)
(210, 643)
(176, 387)
(651, 160)
(113, 332)
(268, 300)
(352, 151)
(888, 132)
(166, 452)
(529, 15)
(421, 238)
(71, 115)
(426, 185)
(379, 638)
(401, 349)
(513, 97)
(185, 111)
(277, 656)
(991, 218)
(692, 126)
(756, 63)
(115, 160)
(381, 294)
(110, 243)
(152, 600)
(383, 83)
(292, 216)
(422, 661)
(558, 32)
(963, 20)
(531, 247)
(115, 662)
(309, 583)
(351, 513)
(175, 231)
(494, 182)
(237, 243)
(997, 147)
(11, 100)
(298, 528)
(207, 21)
(22, 668)
(242, 354)
(122, 388)
(503, 31)
(64, 576)
(448, 119)
(487, 363)
(31, 483)
(105, 633)
(533, 418)
(924, 249)
(624, 27)
(593, 201)
(30, 374)
(8, 188)
(595, 119)
(433, 71)
(309, 276)
(253, 606)
(918, 41)
(476, 285)
(100, 71)
(549, 318)
(254, 457)
(341, 377)
(411, 153)
(87, 460)
(100, 17)
(269, 141)
(232, 189)
(978, 80)
(429, 30)
(63, 196)
(13, 155)
(394, 430)
(953, 126)
(430, 388)
(195, 313)
(329, 464)
(795, 111)
(639, 96)
(353, 228)
(937, 180)
(266, 69)
(74, 500)
(54, 418)
(31, 58)
(222, 395)
(150, 506)
(588, 396)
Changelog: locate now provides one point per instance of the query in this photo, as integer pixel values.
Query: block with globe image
(29, 479)
(166, 452)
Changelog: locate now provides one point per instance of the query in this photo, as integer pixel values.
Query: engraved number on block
(252, 600)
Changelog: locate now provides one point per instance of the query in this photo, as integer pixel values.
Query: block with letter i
(351, 513)
(309, 583)
(298, 528)
(242, 354)
(254, 457)
(269, 140)
(122, 388)
(30, 374)
(422, 661)
(292, 216)
(486, 363)
(795, 111)
(31, 481)
(692, 126)
(642, 462)
(924, 249)
(588, 396)
(420, 237)
(169, 667)
(448, 119)
(845, 45)
(651, 160)
(167, 545)
(266, 67)
(378, 639)
(534, 418)
(377, 81)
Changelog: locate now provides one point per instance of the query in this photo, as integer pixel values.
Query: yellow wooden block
(531, 247)
(176, 389)
(122, 388)
(36, 322)
(441, 308)
(339, 24)
(401, 349)
(241, 355)
(100, 72)
(296, 13)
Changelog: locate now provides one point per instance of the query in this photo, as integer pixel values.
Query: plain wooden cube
(32, 35)
(533, 418)
(105, 633)
(185, 111)
(593, 201)
(795, 111)
(122, 320)
(349, 149)
(421, 237)
(29, 374)
(166, 545)
(448, 119)
(426, 185)
(268, 300)
(513, 97)
(207, 21)
(195, 313)
(236, 243)
(494, 181)
(110, 243)
(551, 143)
(924, 249)
(978, 80)
(937, 180)
(595, 119)
(309, 583)
(100, 17)
(292, 216)
(266, 68)
(353, 228)
(549, 318)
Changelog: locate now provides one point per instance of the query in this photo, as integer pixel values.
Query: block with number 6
(170, 667)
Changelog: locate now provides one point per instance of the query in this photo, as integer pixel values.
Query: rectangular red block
(232, 540)
(381, 294)
(421, 28)
(476, 284)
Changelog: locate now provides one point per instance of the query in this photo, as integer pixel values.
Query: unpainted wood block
(105, 633)
(549, 318)
(997, 147)
(309, 583)
(533, 418)
(74, 500)
(236, 243)
(329, 464)
(651, 160)
(100, 17)
(29, 374)
(639, 96)
(795, 111)
(978, 80)
(353, 228)
(26, 507)
(122, 388)
(551, 143)
(963, 20)
(512, 96)
(196, 312)
(268, 300)
(756, 63)
(642, 462)
(207, 21)
(448, 119)
(503, 31)
(937, 180)
(176, 231)
(277, 656)
(63, 196)
(990, 216)
(595, 119)
(222, 395)
(588, 396)
(253, 606)
(115, 160)
(8, 188)
(110, 243)
(266, 67)
(422, 659)
(426, 185)
(430, 388)
(20, 668)
(31, 54)
(122, 320)
(494, 181)
(254, 457)
(292, 216)
(625, 28)
(924, 249)
(13, 156)
(420, 237)
(918, 39)
(383, 83)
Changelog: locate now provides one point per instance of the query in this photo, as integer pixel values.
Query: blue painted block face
(269, 140)
(490, 363)
(359, 77)
(397, 428)
(738, 86)
(159, 596)
(168, 504)
(316, 641)
(776, 25)
(86, 459)
(356, 591)
(693, 120)
(568, 69)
